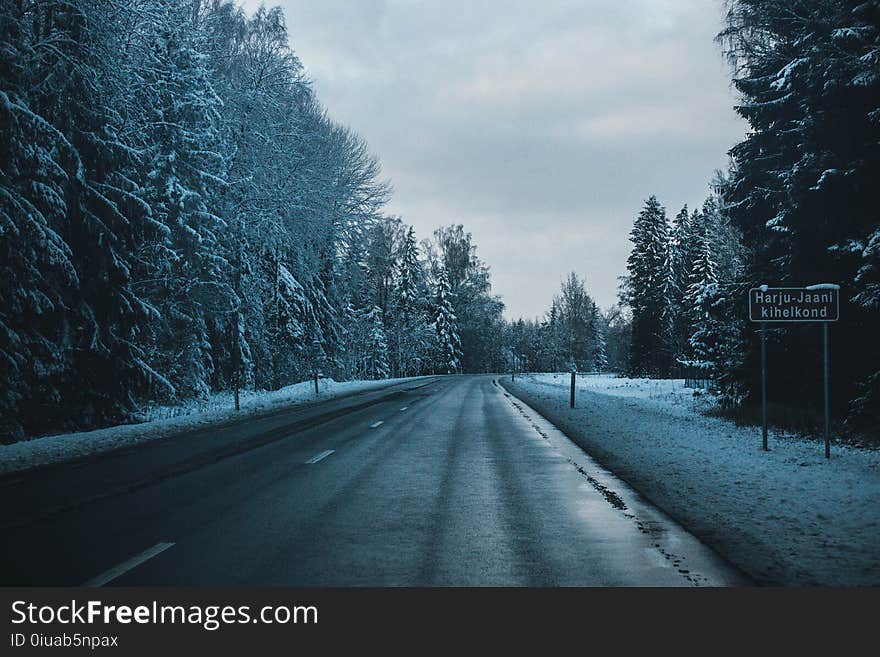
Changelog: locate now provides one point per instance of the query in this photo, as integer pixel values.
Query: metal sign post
(815, 303)
(826, 391)
(764, 385)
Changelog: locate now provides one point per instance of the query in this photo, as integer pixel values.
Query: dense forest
(796, 208)
(179, 215)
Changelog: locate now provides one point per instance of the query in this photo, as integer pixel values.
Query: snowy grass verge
(161, 422)
(788, 516)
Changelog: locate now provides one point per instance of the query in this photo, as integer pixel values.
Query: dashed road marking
(127, 565)
(320, 457)
(376, 424)
(404, 408)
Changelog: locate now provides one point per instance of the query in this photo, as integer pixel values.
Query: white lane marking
(320, 457)
(404, 408)
(376, 424)
(129, 564)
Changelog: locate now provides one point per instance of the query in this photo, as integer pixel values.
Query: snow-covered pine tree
(556, 348)
(74, 84)
(375, 363)
(184, 173)
(38, 276)
(289, 313)
(681, 248)
(324, 330)
(409, 286)
(600, 353)
(648, 292)
(446, 327)
(411, 341)
(702, 285)
(682, 260)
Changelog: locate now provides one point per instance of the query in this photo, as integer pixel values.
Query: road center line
(320, 457)
(129, 564)
(376, 424)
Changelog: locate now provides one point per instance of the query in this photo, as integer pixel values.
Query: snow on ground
(788, 516)
(164, 421)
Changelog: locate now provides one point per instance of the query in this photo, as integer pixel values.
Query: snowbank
(787, 517)
(164, 421)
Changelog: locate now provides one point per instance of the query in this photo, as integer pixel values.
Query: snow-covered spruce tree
(703, 282)
(648, 292)
(347, 355)
(72, 82)
(600, 346)
(290, 342)
(323, 327)
(410, 284)
(681, 247)
(412, 336)
(39, 282)
(375, 363)
(446, 327)
(682, 251)
(557, 349)
(184, 175)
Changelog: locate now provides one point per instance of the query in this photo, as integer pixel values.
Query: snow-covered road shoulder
(787, 517)
(162, 422)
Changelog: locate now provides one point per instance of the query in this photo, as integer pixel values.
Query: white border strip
(129, 564)
(320, 457)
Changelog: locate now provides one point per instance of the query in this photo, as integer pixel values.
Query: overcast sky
(540, 125)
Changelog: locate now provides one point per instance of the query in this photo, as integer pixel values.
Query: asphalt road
(449, 481)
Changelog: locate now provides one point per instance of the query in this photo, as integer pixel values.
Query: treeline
(574, 335)
(797, 207)
(178, 215)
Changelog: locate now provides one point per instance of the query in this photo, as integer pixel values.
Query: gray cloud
(541, 126)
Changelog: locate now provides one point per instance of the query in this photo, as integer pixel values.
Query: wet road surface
(446, 481)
